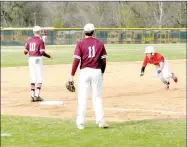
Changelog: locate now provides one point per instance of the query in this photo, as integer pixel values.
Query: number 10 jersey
(35, 46)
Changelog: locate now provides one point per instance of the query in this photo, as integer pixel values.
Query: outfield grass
(48, 132)
(13, 56)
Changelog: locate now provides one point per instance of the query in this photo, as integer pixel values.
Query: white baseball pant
(44, 38)
(90, 77)
(164, 75)
(36, 69)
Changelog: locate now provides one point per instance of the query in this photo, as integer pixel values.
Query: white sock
(32, 93)
(37, 92)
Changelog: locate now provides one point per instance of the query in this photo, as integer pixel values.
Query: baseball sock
(32, 89)
(38, 89)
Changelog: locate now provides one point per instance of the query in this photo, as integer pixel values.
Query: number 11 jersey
(90, 51)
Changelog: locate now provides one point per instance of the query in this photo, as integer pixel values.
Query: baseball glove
(70, 86)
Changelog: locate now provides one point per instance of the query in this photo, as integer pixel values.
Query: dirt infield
(126, 95)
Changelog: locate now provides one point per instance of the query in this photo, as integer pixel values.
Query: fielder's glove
(70, 86)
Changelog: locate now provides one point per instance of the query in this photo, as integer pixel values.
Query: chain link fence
(67, 36)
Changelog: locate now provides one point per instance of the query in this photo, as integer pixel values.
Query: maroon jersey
(90, 51)
(35, 46)
(44, 33)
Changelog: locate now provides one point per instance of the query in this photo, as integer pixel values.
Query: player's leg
(83, 87)
(32, 71)
(39, 70)
(165, 75)
(96, 85)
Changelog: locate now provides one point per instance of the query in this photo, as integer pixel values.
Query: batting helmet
(149, 50)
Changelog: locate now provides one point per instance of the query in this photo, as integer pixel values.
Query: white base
(51, 103)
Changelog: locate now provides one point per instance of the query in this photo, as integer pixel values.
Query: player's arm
(103, 60)
(103, 65)
(77, 57)
(145, 62)
(75, 66)
(161, 63)
(26, 50)
(42, 50)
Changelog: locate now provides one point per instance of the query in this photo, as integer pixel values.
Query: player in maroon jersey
(92, 55)
(36, 49)
(44, 35)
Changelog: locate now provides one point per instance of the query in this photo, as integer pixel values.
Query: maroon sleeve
(42, 46)
(75, 66)
(77, 52)
(104, 53)
(42, 50)
(77, 57)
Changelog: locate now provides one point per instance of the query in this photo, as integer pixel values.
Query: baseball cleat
(38, 99)
(167, 86)
(174, 77)
(103, 125)
(81, 126)
(32, 99)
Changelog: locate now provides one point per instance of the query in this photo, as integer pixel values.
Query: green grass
(13, 56)
(48, 132)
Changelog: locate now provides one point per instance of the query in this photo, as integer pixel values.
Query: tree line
(102, 14)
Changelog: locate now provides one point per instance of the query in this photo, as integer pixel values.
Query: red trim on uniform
(75, 66)
(39, 85)
(33, 86)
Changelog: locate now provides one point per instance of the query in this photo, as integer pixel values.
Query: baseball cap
(89, 27)
(36, 29)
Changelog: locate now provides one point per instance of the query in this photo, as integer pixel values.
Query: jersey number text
(91, 51)
(32, 46)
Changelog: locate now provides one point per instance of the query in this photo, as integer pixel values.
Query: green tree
(58, 23)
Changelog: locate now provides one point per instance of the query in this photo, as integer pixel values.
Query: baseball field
(140, 111)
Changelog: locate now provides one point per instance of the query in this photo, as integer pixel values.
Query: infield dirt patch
(126, 95)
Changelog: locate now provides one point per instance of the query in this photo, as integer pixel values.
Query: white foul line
(147, 110)
(5, 134)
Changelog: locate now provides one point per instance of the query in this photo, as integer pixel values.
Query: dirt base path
(126, 95)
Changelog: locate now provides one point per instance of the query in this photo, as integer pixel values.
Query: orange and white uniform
(161, 64)
(155, 59)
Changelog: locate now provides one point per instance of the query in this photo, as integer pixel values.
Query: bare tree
(102, 14)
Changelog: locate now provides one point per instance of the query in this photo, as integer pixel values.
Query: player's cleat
(167, 86)
(81, 126)
(32, 99)
(174, 77)
(103, 125)
(38, 99)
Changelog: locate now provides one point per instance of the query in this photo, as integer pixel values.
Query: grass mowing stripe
(13, 56)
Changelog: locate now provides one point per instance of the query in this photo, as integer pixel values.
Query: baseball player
(161, 65)
(36, 48)
(92, 55)
(44, 35)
